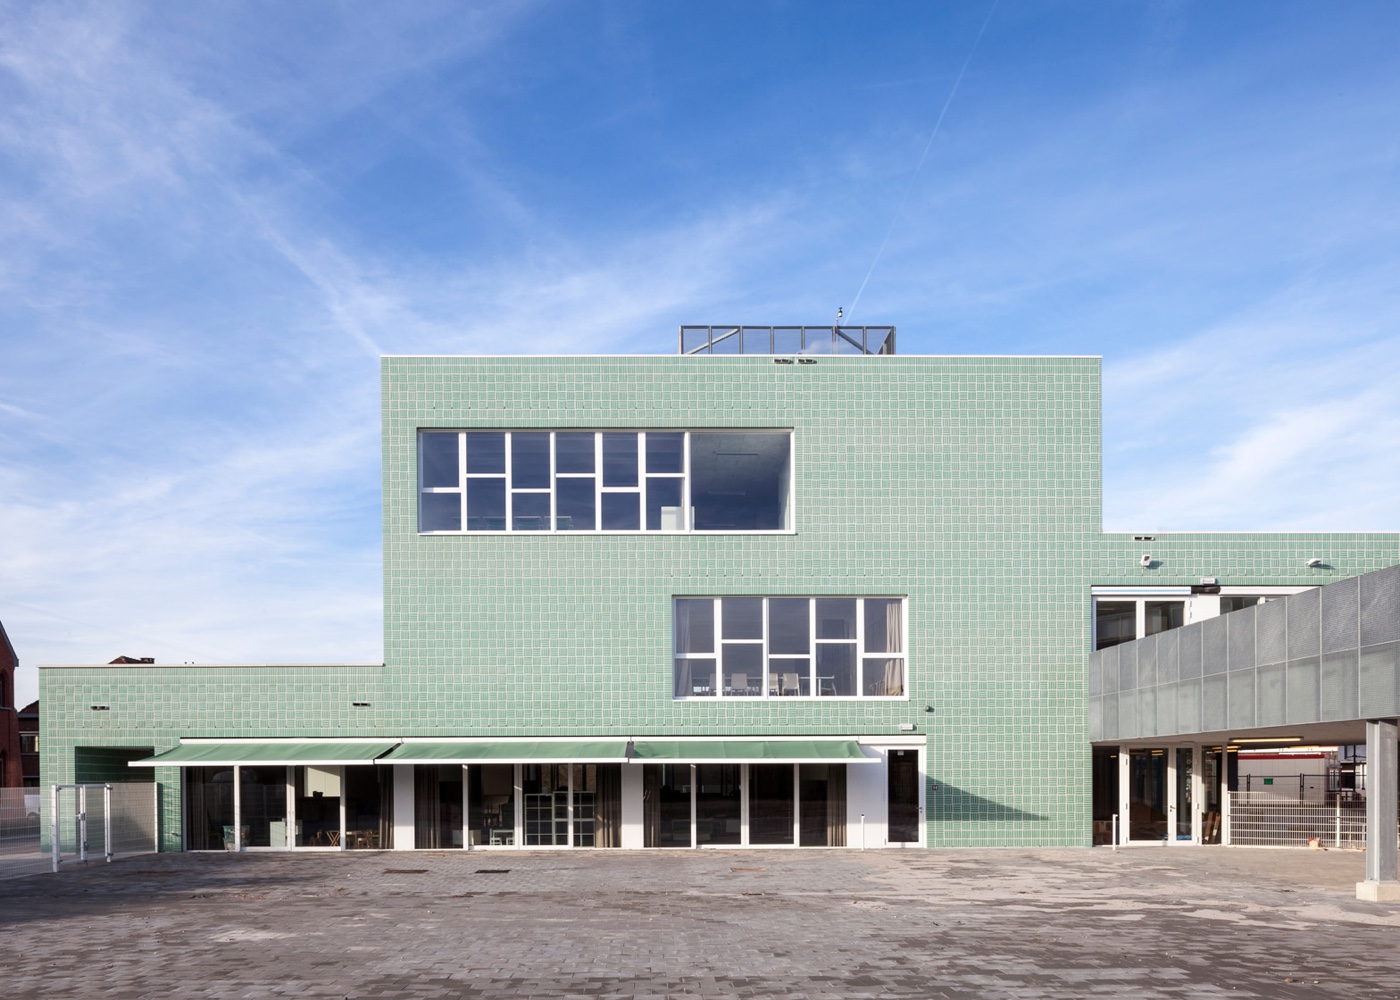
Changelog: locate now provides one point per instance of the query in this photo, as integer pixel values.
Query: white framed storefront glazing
(1169, 794)
(280, 807)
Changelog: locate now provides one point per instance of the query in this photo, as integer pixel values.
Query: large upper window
(789, 647)
(604, 480)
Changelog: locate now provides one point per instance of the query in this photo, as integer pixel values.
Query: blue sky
(214, 218)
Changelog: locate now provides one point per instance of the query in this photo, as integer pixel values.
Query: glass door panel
(666, 805)
(770, 803)
(600, 825)
(1183, 793)
(368, 806)
(491, 805)
(317, 797)
(717, 804)
(264, 805)
(903, 797)
(1211, 771)
(1147, 795)
(823, 798)
(208, 808)
(546, 795)
(437, 806)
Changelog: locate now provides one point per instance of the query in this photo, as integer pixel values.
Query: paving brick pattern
(958, 924)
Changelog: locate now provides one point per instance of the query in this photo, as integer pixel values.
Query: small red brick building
(11, 759)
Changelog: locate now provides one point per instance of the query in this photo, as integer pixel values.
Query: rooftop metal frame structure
(868, 341)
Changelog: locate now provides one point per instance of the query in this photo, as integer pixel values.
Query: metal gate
(75, 815)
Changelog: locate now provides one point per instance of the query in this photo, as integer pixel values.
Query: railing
(1263, 819)
(846, 340)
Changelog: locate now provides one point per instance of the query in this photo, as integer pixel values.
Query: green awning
(750, 751)
(493, 752)
(249, 752)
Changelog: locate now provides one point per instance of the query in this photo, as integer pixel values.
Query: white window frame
(1198, 606)
(765, 688)
(599, 490)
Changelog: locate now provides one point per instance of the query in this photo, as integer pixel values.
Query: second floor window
(789, 647)
(663, 481)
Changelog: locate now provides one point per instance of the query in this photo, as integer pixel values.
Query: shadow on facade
(950, 804)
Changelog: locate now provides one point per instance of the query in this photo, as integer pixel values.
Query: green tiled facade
(970, 485)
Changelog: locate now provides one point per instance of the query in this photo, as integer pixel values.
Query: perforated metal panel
(1214, 645)
(1147, 711)
(1095, 719)
(1241, 643)
(1128, 714)
(1108, 662)
(1111, 730)
(1302, 692)
(1270, 699)
(1127, 669)
(1340, 604)
(1188, 708)
(1167, 656)
(1166, 710)
(1095, 675)
(1337, 686)
(1380, 607)
(1241, 699)
(1271, 632)
(1188, 652)
(1147, 662)
(1304, 638)
(1214, 701)
(1377, 677)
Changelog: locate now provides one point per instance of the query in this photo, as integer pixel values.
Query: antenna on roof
(839, 314)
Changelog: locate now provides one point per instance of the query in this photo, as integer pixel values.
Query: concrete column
(632, 807)
(1125, 770)
(1382, 777)
(403, 807)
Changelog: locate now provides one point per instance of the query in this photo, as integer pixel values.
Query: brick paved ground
(1198, 923)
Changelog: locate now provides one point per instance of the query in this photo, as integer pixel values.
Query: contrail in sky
(927, 146)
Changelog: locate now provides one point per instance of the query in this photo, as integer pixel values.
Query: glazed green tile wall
(969, 484)
(154, 706)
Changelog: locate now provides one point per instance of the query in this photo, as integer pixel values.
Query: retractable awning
(312, 752)
(490, 752)
(750, 752)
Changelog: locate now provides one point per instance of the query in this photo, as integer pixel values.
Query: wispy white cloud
(212, 218)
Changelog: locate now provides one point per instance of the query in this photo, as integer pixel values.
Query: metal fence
(85, 830)
(21, 846)
(1265, 819)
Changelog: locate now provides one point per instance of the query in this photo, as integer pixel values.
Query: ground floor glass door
(903, 797)
(316, 794)
(718, 806)
(262, 794)
(491, 805)
(1212, 776)
(1184, 797)
(771, 803)
(208, 808)
(666, 805)
(1147, 794)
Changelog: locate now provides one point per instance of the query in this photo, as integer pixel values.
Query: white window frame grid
(765, 686)
(599, 490)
